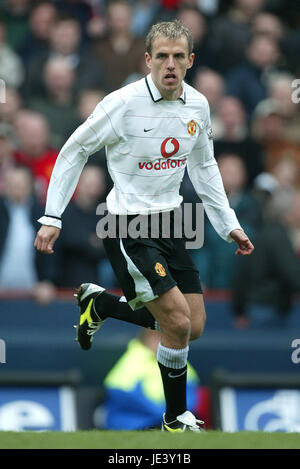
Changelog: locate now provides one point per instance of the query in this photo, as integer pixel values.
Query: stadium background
(57, 59)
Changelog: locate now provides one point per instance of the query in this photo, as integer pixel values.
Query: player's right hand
(45, 239)
(245, 247)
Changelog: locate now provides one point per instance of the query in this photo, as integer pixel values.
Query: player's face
(168, 63)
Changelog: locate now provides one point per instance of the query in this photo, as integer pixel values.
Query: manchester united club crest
(192, 127)
(160, 270)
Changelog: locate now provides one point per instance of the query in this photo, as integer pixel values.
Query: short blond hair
(170, 29)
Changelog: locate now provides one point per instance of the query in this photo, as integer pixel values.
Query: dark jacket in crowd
(271, 275)
(249, 150)
(247, 82)
(80, 251)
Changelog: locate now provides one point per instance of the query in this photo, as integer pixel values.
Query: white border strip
(228, 410)
(68, 409)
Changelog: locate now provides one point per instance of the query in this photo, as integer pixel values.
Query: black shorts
(147, 267)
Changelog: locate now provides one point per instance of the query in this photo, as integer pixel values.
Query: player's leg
(96, 305)
(146, 279)
(108, 305)
(172, 357)
(198, 314)
(186, 275)
(172, 312)
(173, 316)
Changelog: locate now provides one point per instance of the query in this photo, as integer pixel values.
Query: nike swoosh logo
(170, 374)
(148, 130)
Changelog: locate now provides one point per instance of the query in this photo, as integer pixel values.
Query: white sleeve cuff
(229, 239)
(49, 221)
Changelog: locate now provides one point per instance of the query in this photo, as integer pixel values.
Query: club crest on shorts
(160, 270)
(192, 127)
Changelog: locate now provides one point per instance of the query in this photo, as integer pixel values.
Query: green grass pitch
(96, 439)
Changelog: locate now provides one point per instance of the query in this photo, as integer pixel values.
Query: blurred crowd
(59, 58)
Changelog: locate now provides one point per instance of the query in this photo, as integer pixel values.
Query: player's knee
(197, 327)
(182, 325)
(185, 325)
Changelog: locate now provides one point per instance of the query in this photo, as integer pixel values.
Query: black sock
(174, 383)
(110, 306)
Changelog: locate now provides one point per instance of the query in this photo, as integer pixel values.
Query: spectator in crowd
(284, 176)
(232, 121)
(287, 10)
(80, 10)
(215, 262)
(248, 81)
(286, 172)
(291, 41)
(134, 393)
(264, 287)
(21, 267)
(119, 51)
(41, 22)
(193, 19)
(140, 72)
(280, 89)
(12, 104)
(6, 154)
(58, 104)
(167, 10)
(80, 250)
(231, 33)
(143, 14)
(34, 150)
(212, 85)
(269, 25)
(208, 7)
(87, 101)
(15, 14)
(270, 129)
(65, 41)
(11, 67)
(232, 136)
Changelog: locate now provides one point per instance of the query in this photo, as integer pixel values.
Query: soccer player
(151, 129)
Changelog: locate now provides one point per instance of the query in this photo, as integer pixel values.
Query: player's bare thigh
(197, 312)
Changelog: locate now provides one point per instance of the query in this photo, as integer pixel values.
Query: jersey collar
(155, 94)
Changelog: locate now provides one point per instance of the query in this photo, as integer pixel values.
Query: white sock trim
(172, 358)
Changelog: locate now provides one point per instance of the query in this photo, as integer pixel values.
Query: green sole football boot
(89, 321)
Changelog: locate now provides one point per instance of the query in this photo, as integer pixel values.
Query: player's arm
(98, 130)
(205, 176)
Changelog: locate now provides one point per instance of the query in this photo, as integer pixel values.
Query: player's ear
(191, 60)
(148, 59)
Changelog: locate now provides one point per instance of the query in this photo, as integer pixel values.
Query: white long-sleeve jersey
(149, 141)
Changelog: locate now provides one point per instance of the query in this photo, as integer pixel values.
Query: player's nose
(171, 63)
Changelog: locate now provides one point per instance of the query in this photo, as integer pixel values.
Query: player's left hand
(245, 247)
